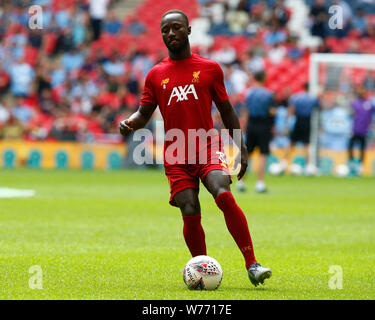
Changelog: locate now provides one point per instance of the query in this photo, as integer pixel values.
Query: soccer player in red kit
(184, 86)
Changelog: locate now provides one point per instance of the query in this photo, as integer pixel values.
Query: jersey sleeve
(148, 95)
(219, 93)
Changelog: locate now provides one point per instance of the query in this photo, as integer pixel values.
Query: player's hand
(126, 127)
(244, 162)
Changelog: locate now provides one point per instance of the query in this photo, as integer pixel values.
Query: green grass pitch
(113, 235)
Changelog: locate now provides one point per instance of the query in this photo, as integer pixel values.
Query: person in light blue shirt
(21, 78)
(72, 60)
(23, 113)
(63, 19)
(359, 21)
(114, 66)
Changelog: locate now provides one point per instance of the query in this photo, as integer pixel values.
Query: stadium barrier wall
(70, 155)
(328, 160)
(60, 155)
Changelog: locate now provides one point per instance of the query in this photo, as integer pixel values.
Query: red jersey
(184, 91)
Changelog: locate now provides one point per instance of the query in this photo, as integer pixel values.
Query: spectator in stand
(22, 112)
(294, 51)
(134, 26)
(65, 41)
(80, 23)
(225, 55)
(239, 78)
(114, 66)
(72, 60)
(260, 16)
(141, 64)
(21, 78)
(216, 12)
(63, 16)
(58, 74)
(360, 22)
(275, 35)
(84, 87)
(237, 21)
(253, 62)
(280, 14)
(319, 18)
(112, 24)
(98, 12)
(277, 53)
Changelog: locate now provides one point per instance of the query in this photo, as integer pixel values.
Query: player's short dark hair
(260, 76)
(183, 14)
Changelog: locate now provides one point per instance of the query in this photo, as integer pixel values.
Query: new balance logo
(181, 93)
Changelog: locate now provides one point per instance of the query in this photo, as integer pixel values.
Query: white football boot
(257, 274)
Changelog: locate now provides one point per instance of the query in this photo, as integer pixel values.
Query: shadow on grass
(252, 289)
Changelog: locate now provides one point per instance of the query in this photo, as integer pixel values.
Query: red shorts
(186, 176)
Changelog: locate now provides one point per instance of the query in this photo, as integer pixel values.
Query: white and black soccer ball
(202, 273)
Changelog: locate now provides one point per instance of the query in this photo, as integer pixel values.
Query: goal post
(333, 77)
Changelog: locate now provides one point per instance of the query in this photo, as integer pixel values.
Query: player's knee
(221, 190)
(190, 209)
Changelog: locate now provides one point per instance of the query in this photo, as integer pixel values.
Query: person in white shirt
(98, 12)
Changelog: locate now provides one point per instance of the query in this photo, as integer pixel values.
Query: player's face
(175, 32)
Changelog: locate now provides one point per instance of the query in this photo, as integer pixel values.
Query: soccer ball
(202, 273)
(342, 170)
(296, 169)
(275, 169)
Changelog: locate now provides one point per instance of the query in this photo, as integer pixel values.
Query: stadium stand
(61, 83)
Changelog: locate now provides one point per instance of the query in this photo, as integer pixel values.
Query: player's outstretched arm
(137, 120)
(231, 122)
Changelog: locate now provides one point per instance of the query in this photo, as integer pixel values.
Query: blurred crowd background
(83, 72)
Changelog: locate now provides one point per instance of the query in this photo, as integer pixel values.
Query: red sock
(237, 225)
(194, 235)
